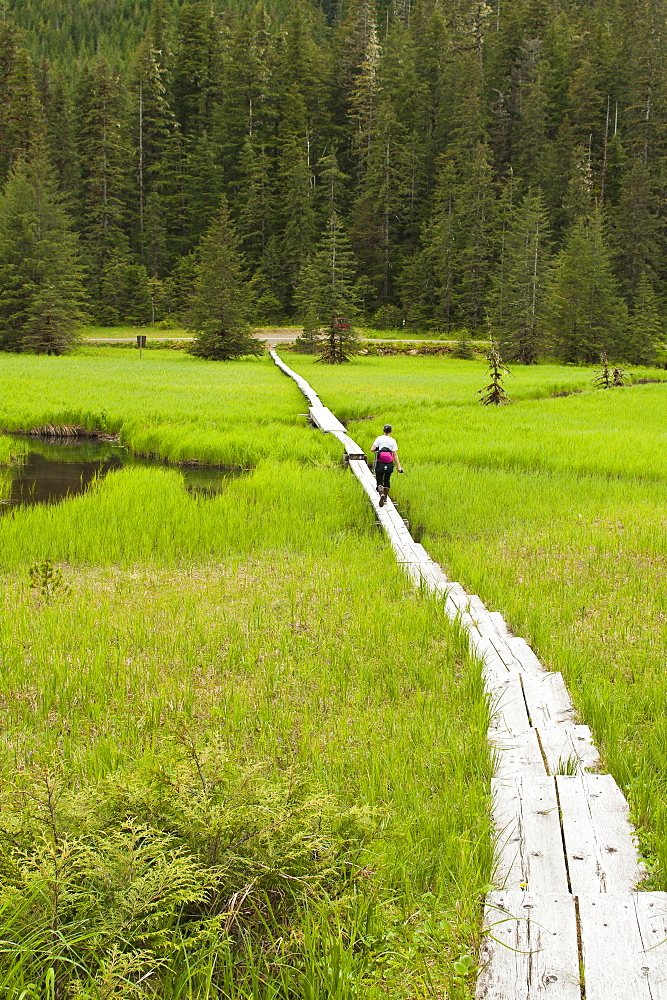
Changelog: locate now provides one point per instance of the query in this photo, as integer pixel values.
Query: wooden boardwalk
(566, 920)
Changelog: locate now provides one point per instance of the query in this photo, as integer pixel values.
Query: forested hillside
(495, 167)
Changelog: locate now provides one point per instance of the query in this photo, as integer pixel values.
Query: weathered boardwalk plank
(525, 654)
(547, 699)
(530, 949)
(601, 853)
(305, 387)
(517, 754)
(651, 910)
(619, 963)
(529, 846)
(568, 749)
(325, 420)
(508, 706)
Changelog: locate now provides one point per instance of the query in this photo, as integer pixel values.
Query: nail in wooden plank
(530, 949)
(601, 852)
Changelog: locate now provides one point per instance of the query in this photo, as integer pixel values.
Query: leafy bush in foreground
(128, 881)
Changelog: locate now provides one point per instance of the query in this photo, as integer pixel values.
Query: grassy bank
(553, 510)
(10, 449)
(224, 771)
(168, 404)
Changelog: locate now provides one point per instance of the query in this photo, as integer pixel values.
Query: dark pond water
(50, 472)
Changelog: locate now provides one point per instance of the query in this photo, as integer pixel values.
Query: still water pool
(52, 471)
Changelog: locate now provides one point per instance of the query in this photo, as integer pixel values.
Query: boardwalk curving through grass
(566, 920)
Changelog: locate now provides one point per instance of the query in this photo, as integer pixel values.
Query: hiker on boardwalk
(386, 457)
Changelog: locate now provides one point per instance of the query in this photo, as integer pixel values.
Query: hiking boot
(383, 495)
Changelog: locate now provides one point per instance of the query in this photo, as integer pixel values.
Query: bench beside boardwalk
(566, 920)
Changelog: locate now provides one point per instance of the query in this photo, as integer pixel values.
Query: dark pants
(383, 471)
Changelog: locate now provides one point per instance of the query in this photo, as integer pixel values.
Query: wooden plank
(500, 623)
(547, 698)
(486, 651)
(486, 626)
(517, 754)
(351, 447)
(454, 592)
(616, 967)
(327, 421)
(505, 653)
(481, 616)
(530, 949)
(651, 911)
(433, 575)
(420, 548)
(477, 606)
(507, 713)
(529, 848)
(567, 746)
(524, 654)
(599, 842)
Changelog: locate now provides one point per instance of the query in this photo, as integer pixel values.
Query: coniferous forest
(489, 168)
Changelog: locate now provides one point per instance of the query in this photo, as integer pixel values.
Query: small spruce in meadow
(47, 581)
(494, 392)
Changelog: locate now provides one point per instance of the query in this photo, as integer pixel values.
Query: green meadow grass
(240, 757)
(10, 448)
(167, 404)
(554, 511)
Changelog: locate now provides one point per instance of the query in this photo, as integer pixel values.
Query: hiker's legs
(383, 471)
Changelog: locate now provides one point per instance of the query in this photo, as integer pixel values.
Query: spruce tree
(41, 276)
(585, 314)
(637, 233)
(21, 114)
(383, 193)
(646, 330)
(255, 202)
(520, 281)
(327, 293)
(59, 113)
(117, 282)
(155, 137)
(295, 189)
(197, 70)
(218, 309)
(459, 241)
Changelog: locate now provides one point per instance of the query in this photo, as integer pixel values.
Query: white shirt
(384, 443)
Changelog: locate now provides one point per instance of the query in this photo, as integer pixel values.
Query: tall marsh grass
(168, 404)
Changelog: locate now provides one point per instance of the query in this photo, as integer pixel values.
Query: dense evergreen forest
(483, 167)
